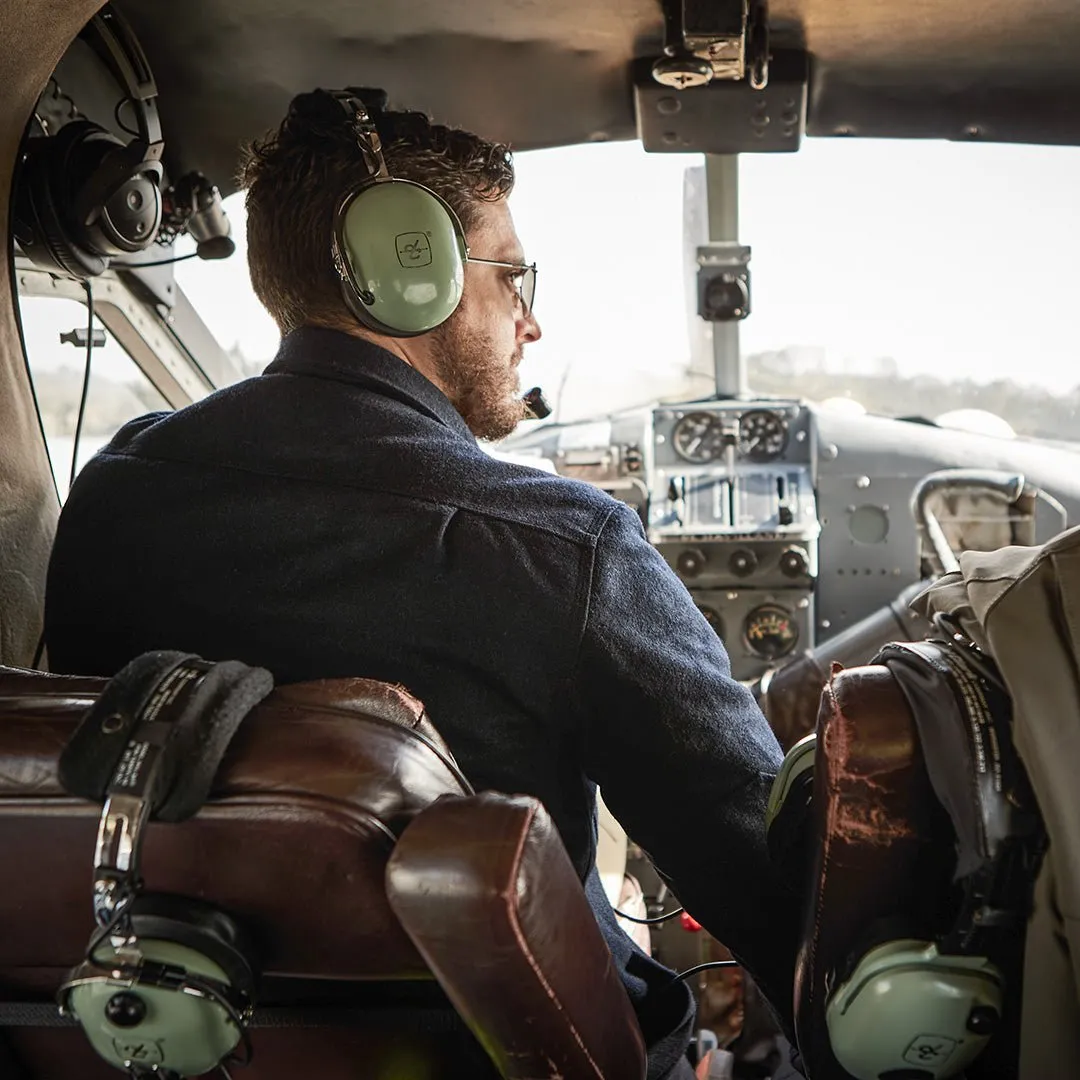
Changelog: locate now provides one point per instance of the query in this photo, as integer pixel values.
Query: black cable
(86, 382)
(116, 116)
(119, 912)
(158, 262)
(701, 967)
(648, 922)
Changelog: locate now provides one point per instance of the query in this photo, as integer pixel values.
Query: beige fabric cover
(1022, 605)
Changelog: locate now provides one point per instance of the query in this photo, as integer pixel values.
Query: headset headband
(367, 135)
(112, 39)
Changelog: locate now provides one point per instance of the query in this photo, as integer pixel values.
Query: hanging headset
(905, 1009)
(398, 247)
(906, 1004)
(83, 195)
(899, 1006)
(167, 985)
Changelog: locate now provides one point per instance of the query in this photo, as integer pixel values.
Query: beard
(480, 384)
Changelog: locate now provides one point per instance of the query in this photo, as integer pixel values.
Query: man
(337, 517)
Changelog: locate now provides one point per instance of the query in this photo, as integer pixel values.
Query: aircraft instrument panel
(733, 512)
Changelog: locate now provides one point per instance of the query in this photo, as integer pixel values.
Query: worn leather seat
(881, 861)
(481, 906)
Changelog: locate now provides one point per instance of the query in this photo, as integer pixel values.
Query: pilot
(337, 516)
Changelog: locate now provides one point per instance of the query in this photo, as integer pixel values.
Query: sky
(948, 258)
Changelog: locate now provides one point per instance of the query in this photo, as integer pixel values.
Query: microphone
(209, 224)
(535, 405)
(194, 205)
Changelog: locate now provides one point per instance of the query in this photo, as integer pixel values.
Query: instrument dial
(712, 617)
(698, 437)
(762, 435)
(770, 631)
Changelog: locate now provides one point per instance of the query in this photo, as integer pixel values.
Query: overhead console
(733, 512)
(723, 85)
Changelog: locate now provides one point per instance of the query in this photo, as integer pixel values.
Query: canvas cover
(1022, 606)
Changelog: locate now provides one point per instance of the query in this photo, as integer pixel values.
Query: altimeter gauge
(762, 435)
(770, 631)
(698, 437)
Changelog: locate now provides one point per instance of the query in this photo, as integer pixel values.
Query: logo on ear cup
(146, 1052)
(930, 1050)
(413, 250)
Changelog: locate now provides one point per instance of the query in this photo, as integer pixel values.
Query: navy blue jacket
(335, 517)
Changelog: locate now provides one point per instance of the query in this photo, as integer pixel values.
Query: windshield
(903, 278)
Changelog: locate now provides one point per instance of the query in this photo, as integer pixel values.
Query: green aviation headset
(902, 1009)
(167, 985)
(398, 247)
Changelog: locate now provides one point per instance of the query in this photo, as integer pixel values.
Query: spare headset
(906, 1006)
(398, 247)
(83, 195)
(900, 1005)
(907, 1009)
(167, 985)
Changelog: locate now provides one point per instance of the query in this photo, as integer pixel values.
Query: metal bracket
(723, 282)
(713, 39)
(724, 116)
(142, 333)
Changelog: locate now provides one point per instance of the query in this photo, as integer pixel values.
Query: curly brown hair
(298, 175)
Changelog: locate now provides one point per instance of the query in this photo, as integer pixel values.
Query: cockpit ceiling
(556, 72)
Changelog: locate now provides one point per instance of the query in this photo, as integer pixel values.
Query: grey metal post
(722, 194)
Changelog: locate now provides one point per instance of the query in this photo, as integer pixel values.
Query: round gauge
(762, 435)
(770, 631)
(698, 437)
(712, 617)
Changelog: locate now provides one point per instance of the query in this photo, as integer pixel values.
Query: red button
(688, 922)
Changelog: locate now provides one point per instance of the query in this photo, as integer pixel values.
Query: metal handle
(1011, 485)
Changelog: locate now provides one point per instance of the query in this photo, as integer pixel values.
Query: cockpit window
(922, 279)
(221, 293)
(918, 279)
(55, 332)
(930, 280)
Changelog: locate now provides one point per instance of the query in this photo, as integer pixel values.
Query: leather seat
(882, 856)
(874, 819)
(483, 909)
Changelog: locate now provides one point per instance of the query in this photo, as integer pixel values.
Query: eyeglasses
(525, 278)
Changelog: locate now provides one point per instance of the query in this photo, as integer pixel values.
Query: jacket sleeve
(683, 754)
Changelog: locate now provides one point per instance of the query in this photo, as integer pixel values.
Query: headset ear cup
(908, 1010)
(178, 1006)
(400, 251)
(41, 196)
(117, 210)
(201, 927)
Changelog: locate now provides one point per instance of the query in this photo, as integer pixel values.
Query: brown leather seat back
(892, 864)
(306, 806)
(497, 862)
(317, 786)
(881, 845)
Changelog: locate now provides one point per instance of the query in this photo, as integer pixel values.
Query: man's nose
(530, 329)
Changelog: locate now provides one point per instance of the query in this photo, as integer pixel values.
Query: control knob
(743, 562)
(794, 562)
(690, 562)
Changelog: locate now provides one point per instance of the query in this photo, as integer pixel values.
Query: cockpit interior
(808, 535)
